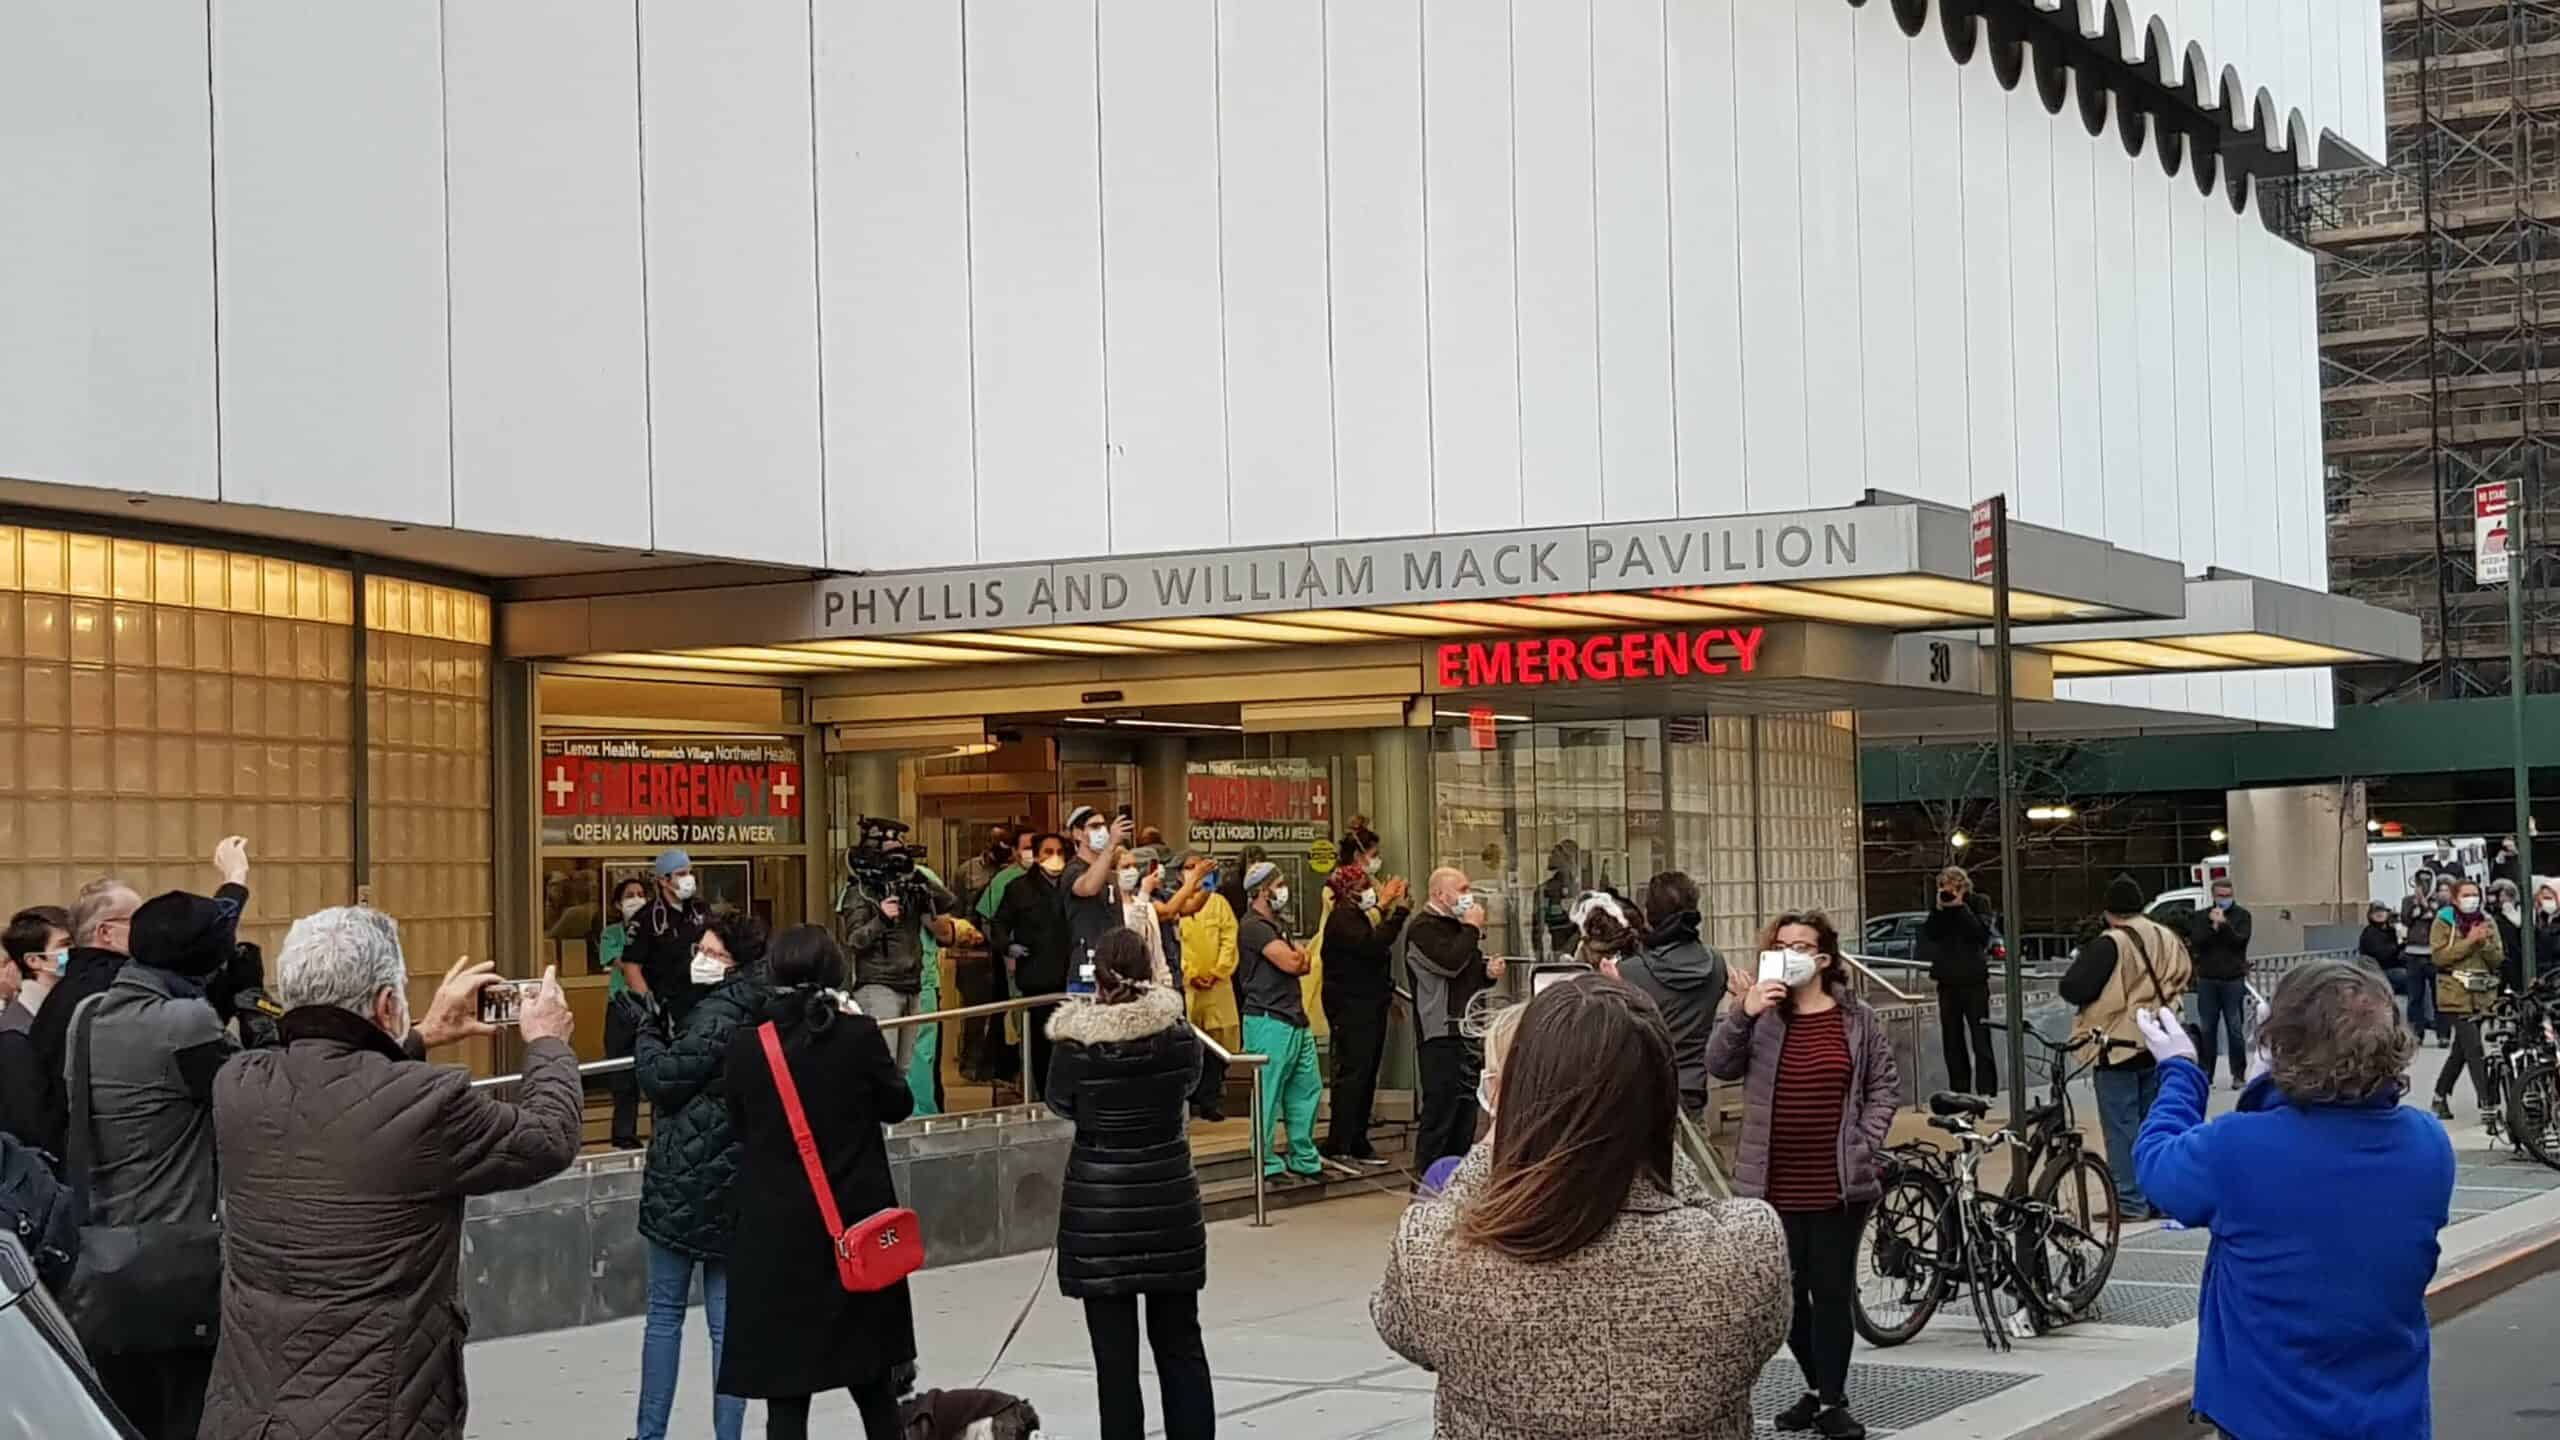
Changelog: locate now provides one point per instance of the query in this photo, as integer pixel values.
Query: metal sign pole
(2517, 560)
(2012, 887)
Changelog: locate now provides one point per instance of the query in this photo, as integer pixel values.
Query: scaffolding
(2434, 275)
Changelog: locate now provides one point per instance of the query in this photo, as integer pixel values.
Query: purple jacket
(1747, 1047)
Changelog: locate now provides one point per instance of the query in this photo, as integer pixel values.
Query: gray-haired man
(345, 1160)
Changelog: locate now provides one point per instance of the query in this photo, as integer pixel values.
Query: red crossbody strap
(800, 1136)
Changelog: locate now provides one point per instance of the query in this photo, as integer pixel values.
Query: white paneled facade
(879, 283)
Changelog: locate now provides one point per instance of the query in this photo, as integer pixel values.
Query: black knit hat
(186, 934)
(2124, 897)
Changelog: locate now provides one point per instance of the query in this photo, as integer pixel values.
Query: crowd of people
(293, 1175)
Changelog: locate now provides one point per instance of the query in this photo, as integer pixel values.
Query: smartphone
(1126, 812)
(503, 1002)
(1083, 983)
(1773, 966)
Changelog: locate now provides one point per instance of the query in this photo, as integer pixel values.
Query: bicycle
(2520, 1041)
(2047, 1237)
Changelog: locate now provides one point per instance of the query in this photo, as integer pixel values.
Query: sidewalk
(1295, 1356)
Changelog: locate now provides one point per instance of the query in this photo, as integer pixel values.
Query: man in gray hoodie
(1684, 976)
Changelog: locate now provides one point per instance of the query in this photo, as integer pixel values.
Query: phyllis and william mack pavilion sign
(1871, 542)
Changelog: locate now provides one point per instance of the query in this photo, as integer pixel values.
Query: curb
(2155, 1407)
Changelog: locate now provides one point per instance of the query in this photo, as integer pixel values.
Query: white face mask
(1800, 970)
(707, 969)
(633, 905)
(1461, 907)
(684, 887)
(2469, 904)
(2550, 906)
(1280, 898)
(1369, 898)
(1097, 839)
(1484, 1092)
(1129, 880)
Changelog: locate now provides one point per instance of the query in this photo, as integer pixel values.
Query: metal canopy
(2233, 622)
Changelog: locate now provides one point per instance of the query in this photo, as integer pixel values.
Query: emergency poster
(650, 791)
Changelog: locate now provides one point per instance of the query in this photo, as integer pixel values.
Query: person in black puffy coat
(1129, 1219)
(686, 1209)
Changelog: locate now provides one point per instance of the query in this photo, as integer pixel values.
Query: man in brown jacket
(345, 1160)
(2136, 963)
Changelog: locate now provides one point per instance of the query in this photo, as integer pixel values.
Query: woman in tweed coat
(1560, 1288)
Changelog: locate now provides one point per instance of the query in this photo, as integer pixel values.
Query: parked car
(52, 1392)
(1892, 937)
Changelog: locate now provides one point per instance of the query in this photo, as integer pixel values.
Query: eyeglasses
(1802, 947)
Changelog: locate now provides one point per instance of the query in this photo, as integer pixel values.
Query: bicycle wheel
(1900, 1281)
(2078, 1251)
(2533, 1113)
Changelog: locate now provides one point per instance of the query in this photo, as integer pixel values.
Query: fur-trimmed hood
(1088, 1022)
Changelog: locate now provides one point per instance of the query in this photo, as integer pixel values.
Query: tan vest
(2130, 987)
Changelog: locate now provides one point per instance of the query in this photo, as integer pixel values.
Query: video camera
(883, 864)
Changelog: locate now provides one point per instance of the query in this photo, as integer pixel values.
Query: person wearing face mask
(1360, 936)
(37, 943)
(659, 950)
(2423, 1015)
(2218, 943)
(1275, 1024)
(1445, 960)
(630, 897)
(1140, 882)
(346, 1161)
(2506, 907)
(1820, 1090)
(1208, 959)
(2468, 954)
(686, 1207)
(2546, 929)
(1091, 889)
(1031, 940)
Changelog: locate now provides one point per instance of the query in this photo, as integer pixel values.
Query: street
(2494, 1375)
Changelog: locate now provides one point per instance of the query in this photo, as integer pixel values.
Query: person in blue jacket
(2325, 1196)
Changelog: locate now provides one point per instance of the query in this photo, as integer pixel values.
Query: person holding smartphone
(1820, 1091)
(685, 1203)
(1129, 1220)
(1955, 943)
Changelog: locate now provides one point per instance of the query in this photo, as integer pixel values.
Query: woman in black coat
(793, 1329)
(1129, 1217)
(685, 1204)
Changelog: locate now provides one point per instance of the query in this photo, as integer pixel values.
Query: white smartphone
(1773, 966)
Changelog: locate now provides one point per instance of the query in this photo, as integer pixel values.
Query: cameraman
(886, 909)
(1955, 943)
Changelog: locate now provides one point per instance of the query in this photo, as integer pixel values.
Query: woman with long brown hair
(1567, 1212)
(1820, 1095)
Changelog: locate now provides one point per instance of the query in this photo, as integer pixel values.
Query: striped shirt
(1804, 1113)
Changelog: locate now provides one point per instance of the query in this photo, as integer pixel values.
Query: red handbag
(880, 1251)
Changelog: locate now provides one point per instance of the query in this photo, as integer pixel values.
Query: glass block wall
(1809, 815)
(1548, 811)
(427, 762)
(155, 697)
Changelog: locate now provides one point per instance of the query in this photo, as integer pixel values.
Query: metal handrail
(1251, 1060)
(1896, 991)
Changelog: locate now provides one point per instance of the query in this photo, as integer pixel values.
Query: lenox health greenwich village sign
(1812, 545)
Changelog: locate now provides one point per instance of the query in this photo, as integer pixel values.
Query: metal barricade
(1249, 1060)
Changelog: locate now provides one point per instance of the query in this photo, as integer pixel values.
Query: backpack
(39, 1209)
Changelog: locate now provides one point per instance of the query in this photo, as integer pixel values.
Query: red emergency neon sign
(1600, 659)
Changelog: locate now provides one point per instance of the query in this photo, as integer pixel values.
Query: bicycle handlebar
(2108, 1044)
